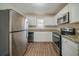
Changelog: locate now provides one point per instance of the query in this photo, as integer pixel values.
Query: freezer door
(17, 21)
(19, 43)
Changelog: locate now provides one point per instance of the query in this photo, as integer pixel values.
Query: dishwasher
(30, 37)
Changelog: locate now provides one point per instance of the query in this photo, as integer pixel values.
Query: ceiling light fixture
(39, 4)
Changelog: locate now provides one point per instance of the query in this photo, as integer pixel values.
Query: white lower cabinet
(68, 48)
(42, 36)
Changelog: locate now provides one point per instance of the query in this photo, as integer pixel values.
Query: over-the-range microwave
(63, 19)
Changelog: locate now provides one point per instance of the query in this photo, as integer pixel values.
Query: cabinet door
(69, 51)
(74, 12)
(65, 48)
(49, 21)
(66, 51)
(42, 36)
(65, 10)
(69, 48)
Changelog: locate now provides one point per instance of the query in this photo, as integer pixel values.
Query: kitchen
(39, 26)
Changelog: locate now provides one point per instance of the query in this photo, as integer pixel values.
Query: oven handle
(56, 36)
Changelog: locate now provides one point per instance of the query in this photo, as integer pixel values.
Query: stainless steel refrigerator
(18, 33)
(13, 33)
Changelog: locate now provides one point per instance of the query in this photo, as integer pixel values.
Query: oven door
(57, 41)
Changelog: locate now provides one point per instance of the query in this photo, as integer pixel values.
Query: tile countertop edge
(48, 30)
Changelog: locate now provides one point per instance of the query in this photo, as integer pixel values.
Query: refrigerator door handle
(17, 31)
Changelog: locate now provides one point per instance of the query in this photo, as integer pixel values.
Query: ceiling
(39, 8)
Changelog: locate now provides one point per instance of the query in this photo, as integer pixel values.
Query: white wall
(42, 36)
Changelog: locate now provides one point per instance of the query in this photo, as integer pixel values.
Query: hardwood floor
(41, 49)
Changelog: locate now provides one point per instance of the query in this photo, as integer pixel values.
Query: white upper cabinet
(74, 12)
(64, 10)
(49, 21)
(73, 9)
(32, 20)
(55, 18)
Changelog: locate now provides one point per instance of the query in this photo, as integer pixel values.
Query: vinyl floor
(41, 49)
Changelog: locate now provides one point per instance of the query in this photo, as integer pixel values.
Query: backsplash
(75, 25)
(77, 31)
(57, 27)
